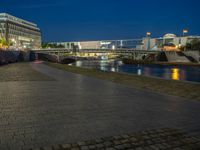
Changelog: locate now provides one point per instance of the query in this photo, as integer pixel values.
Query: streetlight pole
(148, 38)
(58, 56)
(185, 31)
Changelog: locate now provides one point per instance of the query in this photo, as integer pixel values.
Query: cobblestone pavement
(21, 72)
(162, 139)
(38, 113)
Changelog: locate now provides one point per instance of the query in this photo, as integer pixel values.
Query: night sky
(74, 20)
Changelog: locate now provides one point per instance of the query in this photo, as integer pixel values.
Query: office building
(21, 34)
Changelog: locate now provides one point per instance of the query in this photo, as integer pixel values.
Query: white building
(170, 40)
(21, 33)
(103, 44)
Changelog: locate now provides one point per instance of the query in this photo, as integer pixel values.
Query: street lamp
(185, 31)
(148, 34)
(13, 43)
(113, 47)
(148, 38)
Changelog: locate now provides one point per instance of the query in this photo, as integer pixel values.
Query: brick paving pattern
(52, 107)
(160, 139)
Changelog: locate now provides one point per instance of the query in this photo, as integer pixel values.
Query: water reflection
(113, 69)
(176, 74)
(79, 63)
(139, 72)
(184, 73)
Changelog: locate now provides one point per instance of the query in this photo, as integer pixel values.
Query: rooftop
(6, 16)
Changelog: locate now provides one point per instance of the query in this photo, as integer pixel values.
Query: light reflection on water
(183, 73)
(175, 73)
(139, 72)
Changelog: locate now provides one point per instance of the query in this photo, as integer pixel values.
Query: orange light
(176, 74)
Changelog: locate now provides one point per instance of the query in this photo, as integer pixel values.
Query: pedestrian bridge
(86, 53)
(117, 51)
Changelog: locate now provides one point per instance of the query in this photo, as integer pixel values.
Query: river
(182, 73)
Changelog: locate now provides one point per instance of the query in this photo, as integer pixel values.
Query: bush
(194, 45)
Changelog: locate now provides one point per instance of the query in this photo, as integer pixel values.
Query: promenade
(42, 106)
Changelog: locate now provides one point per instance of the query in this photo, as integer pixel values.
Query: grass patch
(177, 88)
(21, 72)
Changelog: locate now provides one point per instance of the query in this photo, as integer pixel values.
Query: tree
(194, 45)
(4, 43)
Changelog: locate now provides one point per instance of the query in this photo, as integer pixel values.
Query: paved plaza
(54, 107)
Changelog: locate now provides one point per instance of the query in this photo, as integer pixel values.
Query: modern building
(168, 42)
(104, 44)
(21, 33)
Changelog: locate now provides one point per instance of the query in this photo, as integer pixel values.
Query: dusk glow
(77, 20)
(99, 75)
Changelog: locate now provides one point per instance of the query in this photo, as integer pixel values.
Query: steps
(176, 57)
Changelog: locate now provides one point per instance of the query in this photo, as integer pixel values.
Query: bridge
(101, 51)
(86, 53)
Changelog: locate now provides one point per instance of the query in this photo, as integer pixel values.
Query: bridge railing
(62, 50)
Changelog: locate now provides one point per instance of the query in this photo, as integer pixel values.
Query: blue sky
(74, 20)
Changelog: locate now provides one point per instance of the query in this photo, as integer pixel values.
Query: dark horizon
(106, 19)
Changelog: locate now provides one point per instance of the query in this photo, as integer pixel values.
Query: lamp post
(148, 34)
(113, 47)
(14, 42)
(185, 31)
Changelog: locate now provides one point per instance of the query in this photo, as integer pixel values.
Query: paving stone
(125, 136)
(108, 144)
(32, 118)
(75, 148)
(75, 145)
(47, 148)
(120, 147)
(97, 141)
(117, 142)
(81, 143)
(99, 146)
(84, 148)
(111, 148)
(37, 149)
(154, 147)
(139, 148)
(117, 137)
(92, 147)
(56, 147)
(133, 139)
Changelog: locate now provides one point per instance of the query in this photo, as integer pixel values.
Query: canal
(182, 73)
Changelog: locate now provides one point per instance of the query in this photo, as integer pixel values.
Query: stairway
(176, 57)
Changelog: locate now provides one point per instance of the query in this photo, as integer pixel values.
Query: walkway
(66, 108)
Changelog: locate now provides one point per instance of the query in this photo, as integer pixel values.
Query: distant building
(21, 33)
(168, 42)
(103, 44)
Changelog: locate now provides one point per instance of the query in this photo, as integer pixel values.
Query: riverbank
(131, 62)
(171, 87)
